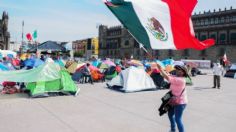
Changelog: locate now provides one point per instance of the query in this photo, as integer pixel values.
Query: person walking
(218, 71)
(179, 102)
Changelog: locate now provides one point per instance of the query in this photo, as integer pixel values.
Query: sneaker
(213, 87)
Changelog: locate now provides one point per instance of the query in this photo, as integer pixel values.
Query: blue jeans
(175, 116)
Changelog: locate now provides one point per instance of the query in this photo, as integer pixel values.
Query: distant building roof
(50, 45)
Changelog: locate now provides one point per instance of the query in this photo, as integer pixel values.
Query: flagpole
(22, 37)
(141, 45)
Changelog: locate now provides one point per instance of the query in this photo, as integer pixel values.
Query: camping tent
(47, 78)
(7, 53)
(231, 72)
(133, 79)
(63, 85)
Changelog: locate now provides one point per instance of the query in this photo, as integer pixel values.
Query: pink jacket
(177, 84)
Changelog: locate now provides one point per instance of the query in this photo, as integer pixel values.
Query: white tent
(233, 67)
(133, 79)
(231, 72)
(4, 53)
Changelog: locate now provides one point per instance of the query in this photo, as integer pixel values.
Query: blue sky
(68, 20)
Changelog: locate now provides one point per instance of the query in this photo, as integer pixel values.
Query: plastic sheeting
(47, 72)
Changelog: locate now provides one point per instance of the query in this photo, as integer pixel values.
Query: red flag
(29, 36)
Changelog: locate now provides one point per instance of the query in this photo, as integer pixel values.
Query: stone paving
(98, 109)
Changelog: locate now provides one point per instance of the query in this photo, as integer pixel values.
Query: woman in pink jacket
(177, 87)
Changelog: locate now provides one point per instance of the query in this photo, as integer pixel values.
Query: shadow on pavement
(203, 88)
(14, 96)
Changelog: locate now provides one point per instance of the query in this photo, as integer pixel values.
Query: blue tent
(10, 56)
(38, 62)
(168, 62)
(95, 63)
(3, 67)
(160, 63)
(29, 62)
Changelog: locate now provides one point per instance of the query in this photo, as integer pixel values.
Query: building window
(234, 19)
(203, 37)
(222, 38)
(197, 23)
(127, 43)
(222, 20)
(206, 22)
(202, 22)
(203, 53)
(213, 36)
(186, 53)
(212, 21)
(216, 20)
(233, 38)
(227, 19)
(170, 53)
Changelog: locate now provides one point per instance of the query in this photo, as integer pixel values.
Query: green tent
(43, 80)
(62, 86)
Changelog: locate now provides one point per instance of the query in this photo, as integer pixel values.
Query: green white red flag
(159, 24)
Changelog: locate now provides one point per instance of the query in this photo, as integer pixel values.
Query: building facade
(86, 48)
(14, 46)
(219, 25)
(4, 34)
(117, 42)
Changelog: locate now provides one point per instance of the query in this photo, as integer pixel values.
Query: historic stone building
(220, 25)
(116, 42)
(4, 34)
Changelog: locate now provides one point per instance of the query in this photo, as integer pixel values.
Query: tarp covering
(47, 72)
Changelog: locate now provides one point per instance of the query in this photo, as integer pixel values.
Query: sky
(69, 20)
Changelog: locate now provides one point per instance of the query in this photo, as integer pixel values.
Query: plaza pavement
(98, 109)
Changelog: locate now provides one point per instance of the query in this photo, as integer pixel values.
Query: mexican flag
(159, 24)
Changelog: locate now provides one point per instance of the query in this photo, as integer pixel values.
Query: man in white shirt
(217, 72)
